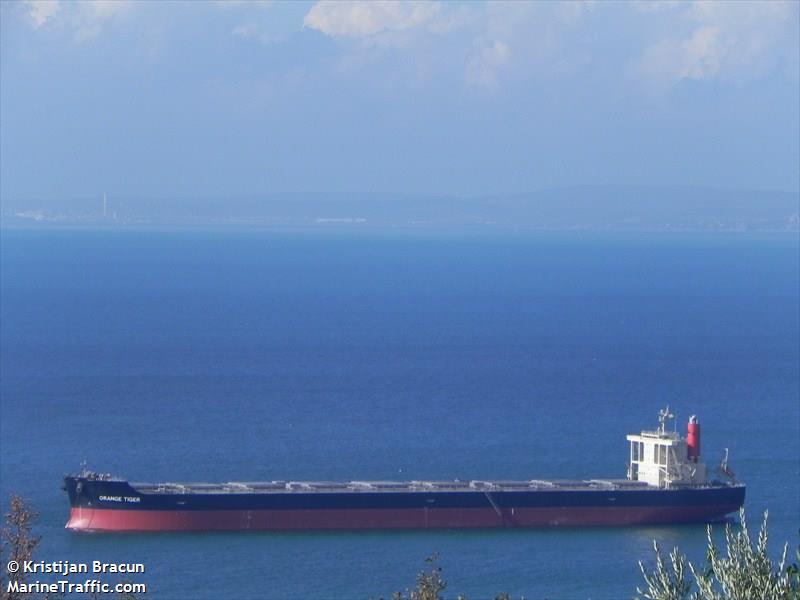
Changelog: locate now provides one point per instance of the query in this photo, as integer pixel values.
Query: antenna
(725, 469)
(663, 415)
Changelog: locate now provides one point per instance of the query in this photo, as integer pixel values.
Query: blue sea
(244, 355)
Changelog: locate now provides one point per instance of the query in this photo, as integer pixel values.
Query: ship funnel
(693, 439)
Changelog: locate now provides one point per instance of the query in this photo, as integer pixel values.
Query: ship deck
(293, 487)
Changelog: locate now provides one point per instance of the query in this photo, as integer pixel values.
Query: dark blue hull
(108, 505)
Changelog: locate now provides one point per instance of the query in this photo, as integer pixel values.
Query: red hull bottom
(88, 519)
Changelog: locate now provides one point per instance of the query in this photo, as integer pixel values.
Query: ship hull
(287, 520)
(114, 506)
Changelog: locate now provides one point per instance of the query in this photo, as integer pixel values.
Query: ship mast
(663, 415)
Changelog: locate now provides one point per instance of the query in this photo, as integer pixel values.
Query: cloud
(725, 40)
(85, 18)
(527, 41)
(661, 42)
(362, 19)
(235, 4)
(41, 11)
(485, 62)
(654, 6)
(94, 14)
(252, 31)
(697, 57)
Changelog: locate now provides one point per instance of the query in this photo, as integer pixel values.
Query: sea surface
(243, 355)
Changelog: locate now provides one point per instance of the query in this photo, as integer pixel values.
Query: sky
(217, 99)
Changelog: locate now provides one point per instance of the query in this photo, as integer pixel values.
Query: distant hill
(582, 207)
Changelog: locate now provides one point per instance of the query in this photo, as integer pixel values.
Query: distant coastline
(594, 208)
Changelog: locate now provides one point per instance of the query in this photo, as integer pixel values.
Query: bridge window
(637, 451)
(662, 454)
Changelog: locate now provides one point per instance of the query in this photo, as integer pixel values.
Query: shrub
(744, 572)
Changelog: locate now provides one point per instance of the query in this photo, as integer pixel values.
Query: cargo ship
(666, 483)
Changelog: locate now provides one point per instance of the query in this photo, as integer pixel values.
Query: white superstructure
(665, 459)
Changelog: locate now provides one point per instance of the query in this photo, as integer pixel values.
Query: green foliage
(666, 583)
(18, 544)
(430, 583)
(744, 572)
